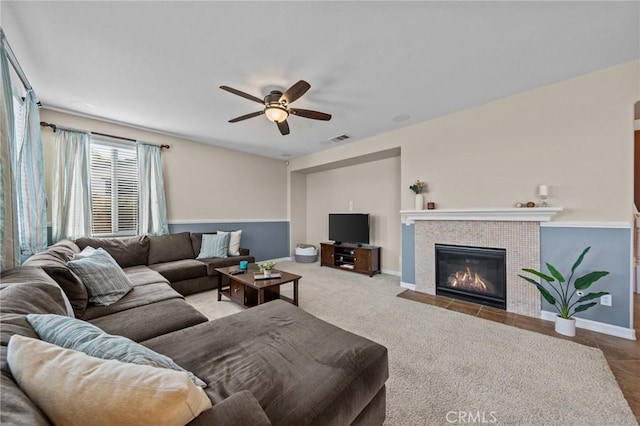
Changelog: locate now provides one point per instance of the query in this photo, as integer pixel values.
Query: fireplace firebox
(474, 274)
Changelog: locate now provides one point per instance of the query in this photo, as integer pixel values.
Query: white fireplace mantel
(514, 214)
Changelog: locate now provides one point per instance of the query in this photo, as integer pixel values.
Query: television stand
(363, 259)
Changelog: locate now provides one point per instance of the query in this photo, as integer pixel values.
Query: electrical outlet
(605, 300)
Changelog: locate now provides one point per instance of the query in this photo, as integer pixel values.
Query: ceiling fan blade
(283, 126)
(242, 94)
(314, 115)
(244, 117)
(294, 92)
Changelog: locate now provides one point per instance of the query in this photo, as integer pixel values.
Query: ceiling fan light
(277, 114)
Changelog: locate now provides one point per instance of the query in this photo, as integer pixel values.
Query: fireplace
(475, 274)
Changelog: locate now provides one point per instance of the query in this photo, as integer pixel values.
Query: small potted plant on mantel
(266, 268)
(418, 188)
(566, 292)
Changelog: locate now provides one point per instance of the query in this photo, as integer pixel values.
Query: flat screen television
(349, 228)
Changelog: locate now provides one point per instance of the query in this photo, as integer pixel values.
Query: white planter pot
(566, 327)
(419, 202)
(267, 273)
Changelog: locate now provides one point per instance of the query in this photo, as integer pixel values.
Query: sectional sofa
(173, 256)
(272, 364)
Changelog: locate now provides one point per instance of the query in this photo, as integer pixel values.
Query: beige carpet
(451, 368)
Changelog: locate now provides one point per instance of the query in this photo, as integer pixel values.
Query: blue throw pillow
(81, 336)
(105, 280)
(214, 245)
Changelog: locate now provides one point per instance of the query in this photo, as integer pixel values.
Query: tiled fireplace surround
(520, 236)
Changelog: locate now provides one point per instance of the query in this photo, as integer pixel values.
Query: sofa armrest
(244, 251)
(239, 409)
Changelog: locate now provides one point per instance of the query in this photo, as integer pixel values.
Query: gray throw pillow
(214, 245)
(81, 336)
(105, 280)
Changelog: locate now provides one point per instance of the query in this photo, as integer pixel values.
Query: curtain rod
(16, 66)
(54, 127)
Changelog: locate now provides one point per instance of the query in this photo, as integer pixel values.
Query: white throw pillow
(234, 242)
(73, 388)
(87, 251)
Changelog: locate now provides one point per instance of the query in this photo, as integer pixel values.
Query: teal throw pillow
(105, 280)
(214, 245)
(81, 336)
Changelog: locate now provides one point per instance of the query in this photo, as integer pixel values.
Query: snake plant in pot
(564, 292)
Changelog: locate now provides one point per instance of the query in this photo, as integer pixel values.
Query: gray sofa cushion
(135, 326)
(167, 248)
(130, 251)
(239, 409)
(54, 262)
(64, 249)
(23, 290)
(196, 285)
(138, 296)
(15, 406)
(142, 275)
(294, 364)
(180, 270)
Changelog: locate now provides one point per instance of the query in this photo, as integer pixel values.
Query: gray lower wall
(408, 235)
(265, 240)
(610, 251)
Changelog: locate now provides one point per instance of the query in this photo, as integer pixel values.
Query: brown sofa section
(307, 379)
(23, 291)
(272, 364)
(167, 248)
(172, 256)
(130, 251)
(54, 263)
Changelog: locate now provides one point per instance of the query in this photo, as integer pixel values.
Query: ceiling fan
(276, 106)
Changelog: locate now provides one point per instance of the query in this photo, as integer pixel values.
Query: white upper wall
(575, 136)
(202, 183)
(371, 188)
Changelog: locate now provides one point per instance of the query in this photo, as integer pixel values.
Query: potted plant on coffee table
(565, 291)
(266, 268)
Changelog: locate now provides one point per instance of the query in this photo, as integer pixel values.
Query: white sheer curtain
(71, 198)
(9, 245)
(152, 210)
(29, 182)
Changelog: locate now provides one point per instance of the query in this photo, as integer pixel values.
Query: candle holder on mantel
(543, 193)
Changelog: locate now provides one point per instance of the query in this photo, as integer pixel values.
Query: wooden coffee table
(248, 292)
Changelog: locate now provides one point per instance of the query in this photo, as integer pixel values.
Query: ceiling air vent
(339, 138)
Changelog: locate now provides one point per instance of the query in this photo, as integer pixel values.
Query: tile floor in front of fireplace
(622, 355)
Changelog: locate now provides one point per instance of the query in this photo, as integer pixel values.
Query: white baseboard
(600, 327)
(280, 259)
(390, 272)
(408, 286)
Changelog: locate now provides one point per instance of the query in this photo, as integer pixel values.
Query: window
(114, 188)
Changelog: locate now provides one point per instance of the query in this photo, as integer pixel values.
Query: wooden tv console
(350, 257)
